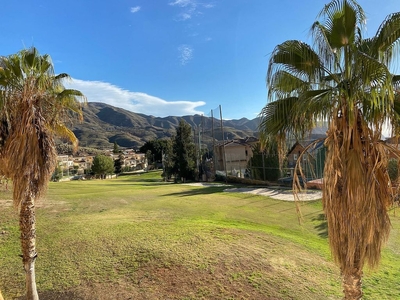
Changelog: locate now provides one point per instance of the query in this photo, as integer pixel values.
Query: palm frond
(330, 11)
(62, 76)
(296, 58)
(387, 37)
(283, 84)
(329, 56)
(285, 116)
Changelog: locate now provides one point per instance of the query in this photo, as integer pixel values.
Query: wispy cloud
(98, 91)
(185, 54)
(135, 9)
(182, 3)
(189, 8)
(185, 16)
(208, 5)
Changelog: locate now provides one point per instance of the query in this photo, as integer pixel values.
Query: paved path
(279, 194)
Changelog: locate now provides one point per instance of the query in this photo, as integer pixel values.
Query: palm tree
(343, 79)
(34, 107)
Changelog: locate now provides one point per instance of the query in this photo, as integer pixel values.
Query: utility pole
(222, 130)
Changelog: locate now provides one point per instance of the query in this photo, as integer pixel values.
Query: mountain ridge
(104, 124)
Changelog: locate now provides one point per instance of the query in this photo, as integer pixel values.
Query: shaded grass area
(136, 237)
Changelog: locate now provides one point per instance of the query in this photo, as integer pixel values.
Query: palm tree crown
(33, 109)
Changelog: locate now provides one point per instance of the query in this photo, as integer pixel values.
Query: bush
(393, 169)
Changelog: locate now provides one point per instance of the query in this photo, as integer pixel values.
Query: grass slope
(136, 237)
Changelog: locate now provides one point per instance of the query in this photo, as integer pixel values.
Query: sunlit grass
(227, 244)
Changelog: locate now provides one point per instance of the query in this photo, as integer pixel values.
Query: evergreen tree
(156, 147)
(393, 169)
(118, 164)
(184, 153)
(116, 148)
(149, 157)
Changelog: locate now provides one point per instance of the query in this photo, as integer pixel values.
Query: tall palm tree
(34, 107)
(343, 79)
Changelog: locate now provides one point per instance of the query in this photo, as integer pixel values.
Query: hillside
(104, 124)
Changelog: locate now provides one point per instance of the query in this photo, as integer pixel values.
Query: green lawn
(138, 237)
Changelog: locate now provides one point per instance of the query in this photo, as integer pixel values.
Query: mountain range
(104, 124)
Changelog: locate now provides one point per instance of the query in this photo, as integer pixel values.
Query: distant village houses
(75, 167)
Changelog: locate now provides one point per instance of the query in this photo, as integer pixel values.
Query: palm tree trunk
(352, 285)
(28, 245)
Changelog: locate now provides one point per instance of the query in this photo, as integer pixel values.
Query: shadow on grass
(322, 226)
(199, 191)
(134, 184)
(129, 180)
(151, 180)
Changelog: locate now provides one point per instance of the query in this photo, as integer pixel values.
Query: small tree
(116, 148)
(393, 169)
(118, 164)
(264, 165)
(184, 152)
(102, 165)
(57, 175)
(167, 160)
(149, 157)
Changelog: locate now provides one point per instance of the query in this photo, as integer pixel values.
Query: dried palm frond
(354, 199)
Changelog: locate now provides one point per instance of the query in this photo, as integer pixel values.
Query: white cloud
(135, 9)
(98, 91)
(185, 16)
(185, 54)
(182, 3)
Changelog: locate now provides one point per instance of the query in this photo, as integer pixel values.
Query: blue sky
(167, 57)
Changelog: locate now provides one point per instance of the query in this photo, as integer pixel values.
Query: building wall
(308, 163)
(237, 156)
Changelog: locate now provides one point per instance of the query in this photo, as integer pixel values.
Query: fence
(220, 151)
